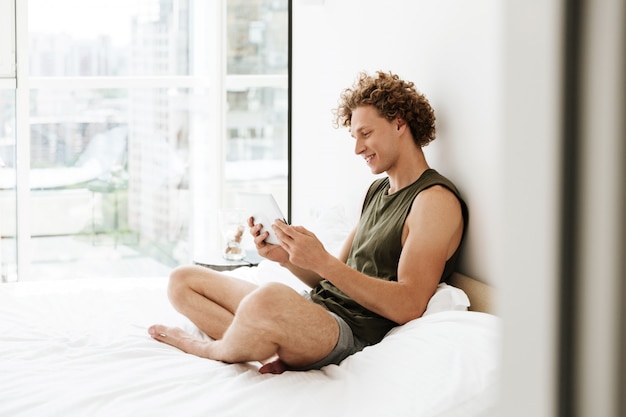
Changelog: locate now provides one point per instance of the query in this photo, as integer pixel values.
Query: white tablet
(264, 209)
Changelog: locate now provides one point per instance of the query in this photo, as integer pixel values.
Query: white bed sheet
(80, 348)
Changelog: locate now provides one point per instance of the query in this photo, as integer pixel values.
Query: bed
(80, 348)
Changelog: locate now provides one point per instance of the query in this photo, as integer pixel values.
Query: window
(145, 118)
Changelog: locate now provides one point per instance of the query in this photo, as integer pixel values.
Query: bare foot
(180, 339)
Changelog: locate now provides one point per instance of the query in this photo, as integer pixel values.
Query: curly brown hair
(393, 98)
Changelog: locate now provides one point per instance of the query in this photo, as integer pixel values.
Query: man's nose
(359, 148)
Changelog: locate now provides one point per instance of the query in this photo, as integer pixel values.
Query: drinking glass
(233, 224)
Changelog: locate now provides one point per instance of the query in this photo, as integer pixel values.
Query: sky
(87, 19)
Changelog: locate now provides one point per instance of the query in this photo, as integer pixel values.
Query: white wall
(451, 50)
(491, 70)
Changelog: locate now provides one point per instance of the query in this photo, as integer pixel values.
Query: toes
(157, 331)
(179, 339)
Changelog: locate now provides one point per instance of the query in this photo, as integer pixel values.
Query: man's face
(374, 138)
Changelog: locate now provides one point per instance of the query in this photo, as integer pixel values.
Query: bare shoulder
(436, 207)
(435, 221)
(437, 198)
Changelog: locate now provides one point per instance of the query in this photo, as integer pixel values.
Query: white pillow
(447, 298)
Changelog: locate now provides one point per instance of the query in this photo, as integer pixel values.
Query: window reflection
(257, 36)
(109, 37)
(257, 124)
(113, 168)
(126, 165)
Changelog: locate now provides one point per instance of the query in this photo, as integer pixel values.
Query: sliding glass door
(144, 119)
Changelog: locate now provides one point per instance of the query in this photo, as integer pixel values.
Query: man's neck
(407, 170)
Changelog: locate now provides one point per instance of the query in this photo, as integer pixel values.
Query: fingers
(284, 232)
(303, 230)
(260, 239)
(289, 231)
(255, 231)
(280, 226)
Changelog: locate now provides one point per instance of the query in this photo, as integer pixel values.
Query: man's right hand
(269, 251)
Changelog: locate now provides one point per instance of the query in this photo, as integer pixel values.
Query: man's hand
(304, 249)
(267, 250)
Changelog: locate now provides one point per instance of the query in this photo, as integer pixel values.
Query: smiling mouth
(368, 159)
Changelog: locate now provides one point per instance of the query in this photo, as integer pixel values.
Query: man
(406, 242)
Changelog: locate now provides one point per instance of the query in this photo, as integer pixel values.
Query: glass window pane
(110, 185)
(257, 36)
(256, 142)
(123, 180)
(8, 219)
(109, 37)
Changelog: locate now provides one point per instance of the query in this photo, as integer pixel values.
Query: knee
(179, 283)
(267, 303)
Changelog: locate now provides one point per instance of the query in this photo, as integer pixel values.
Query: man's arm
(277, 254)
(312, 278)
(431, 234)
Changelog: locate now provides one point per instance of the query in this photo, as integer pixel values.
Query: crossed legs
(247, 322)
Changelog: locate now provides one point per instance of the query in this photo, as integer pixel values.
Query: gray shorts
(347, 345)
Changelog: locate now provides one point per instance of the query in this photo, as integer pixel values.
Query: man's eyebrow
(359, 129)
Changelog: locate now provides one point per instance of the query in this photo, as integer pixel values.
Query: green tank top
(376, 251)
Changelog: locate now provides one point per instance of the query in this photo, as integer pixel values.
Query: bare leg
(272, 320)
(209, 299)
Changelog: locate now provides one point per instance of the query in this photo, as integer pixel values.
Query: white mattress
(80, 348)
